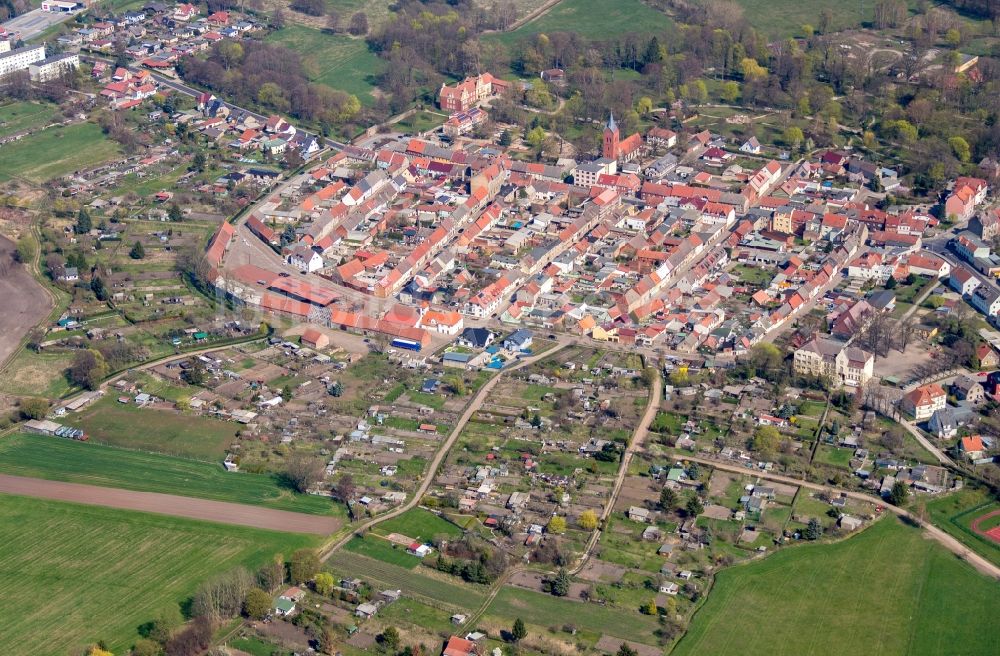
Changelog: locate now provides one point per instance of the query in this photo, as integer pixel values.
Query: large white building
(845, 365)
(20, 59)
(51, 68)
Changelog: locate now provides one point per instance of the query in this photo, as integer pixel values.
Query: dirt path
(169, 504)
(947, 541)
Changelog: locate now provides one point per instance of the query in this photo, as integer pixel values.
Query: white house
(305, 259)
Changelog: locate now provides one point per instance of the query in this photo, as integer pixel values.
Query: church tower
(611, 136)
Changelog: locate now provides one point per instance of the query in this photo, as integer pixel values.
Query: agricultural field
(146, 429)
(338, 61)
(82, 573)
(56, 152)
(870, 600)
(955, 513)
(616, 17)
(93, 464)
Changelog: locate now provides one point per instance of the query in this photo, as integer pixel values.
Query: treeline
(12, 8)
(270, 77)
(985, 8)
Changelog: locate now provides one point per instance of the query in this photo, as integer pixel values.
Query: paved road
(170, 504)
(638, 436)
(947, 541)
(474, 405)
(34, 22)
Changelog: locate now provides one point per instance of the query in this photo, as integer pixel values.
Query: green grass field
(594, 19)
(71, 575)
(19, 116)
(419, 524)
(162, 431)
(56, 152)
(58, 459)
(591, 620)
(379, 549)
(886, 591)
(954, 514)
(337, 61)
(436, 589)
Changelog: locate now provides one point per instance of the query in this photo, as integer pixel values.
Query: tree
(649, 608)
(668, 499)
(560, 585)
(324, 583)
(194, 639)
(83, 222)
(99, 288)
(160, 629)
(814, 530)
(390, 638)
(89, 368)
(32, 408)
(536, 138)
(303, 566)
(556, 525)
(25, 249)
(899, 493)
(221, 598)
(359, 24)
(302, 471)
(344, 488)
(505, 138)
(198, 163)
(519, 632)
(174, 213)
(146, 647)
(309, 7)
(588, 520)
(693, 507)
(792, 136)
(765, 440)
(625, 650)
(333, 21)
(271, 575)
(960, 147)
(257, 604)
(137, 252)
(98, 650)
(730, 92)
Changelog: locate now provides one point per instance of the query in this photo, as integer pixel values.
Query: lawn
(379, 549)
(337, 61)
(56, 152)
(19, 116)
(886, 591)
(59, 459)
(73, 574)
(616, 17)
(419, 524)
(437, 589)
(835, 456)
(545, 610)
(955, 512)
(784, 18)
(420, 121)
(37, 374)
(162, 431)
